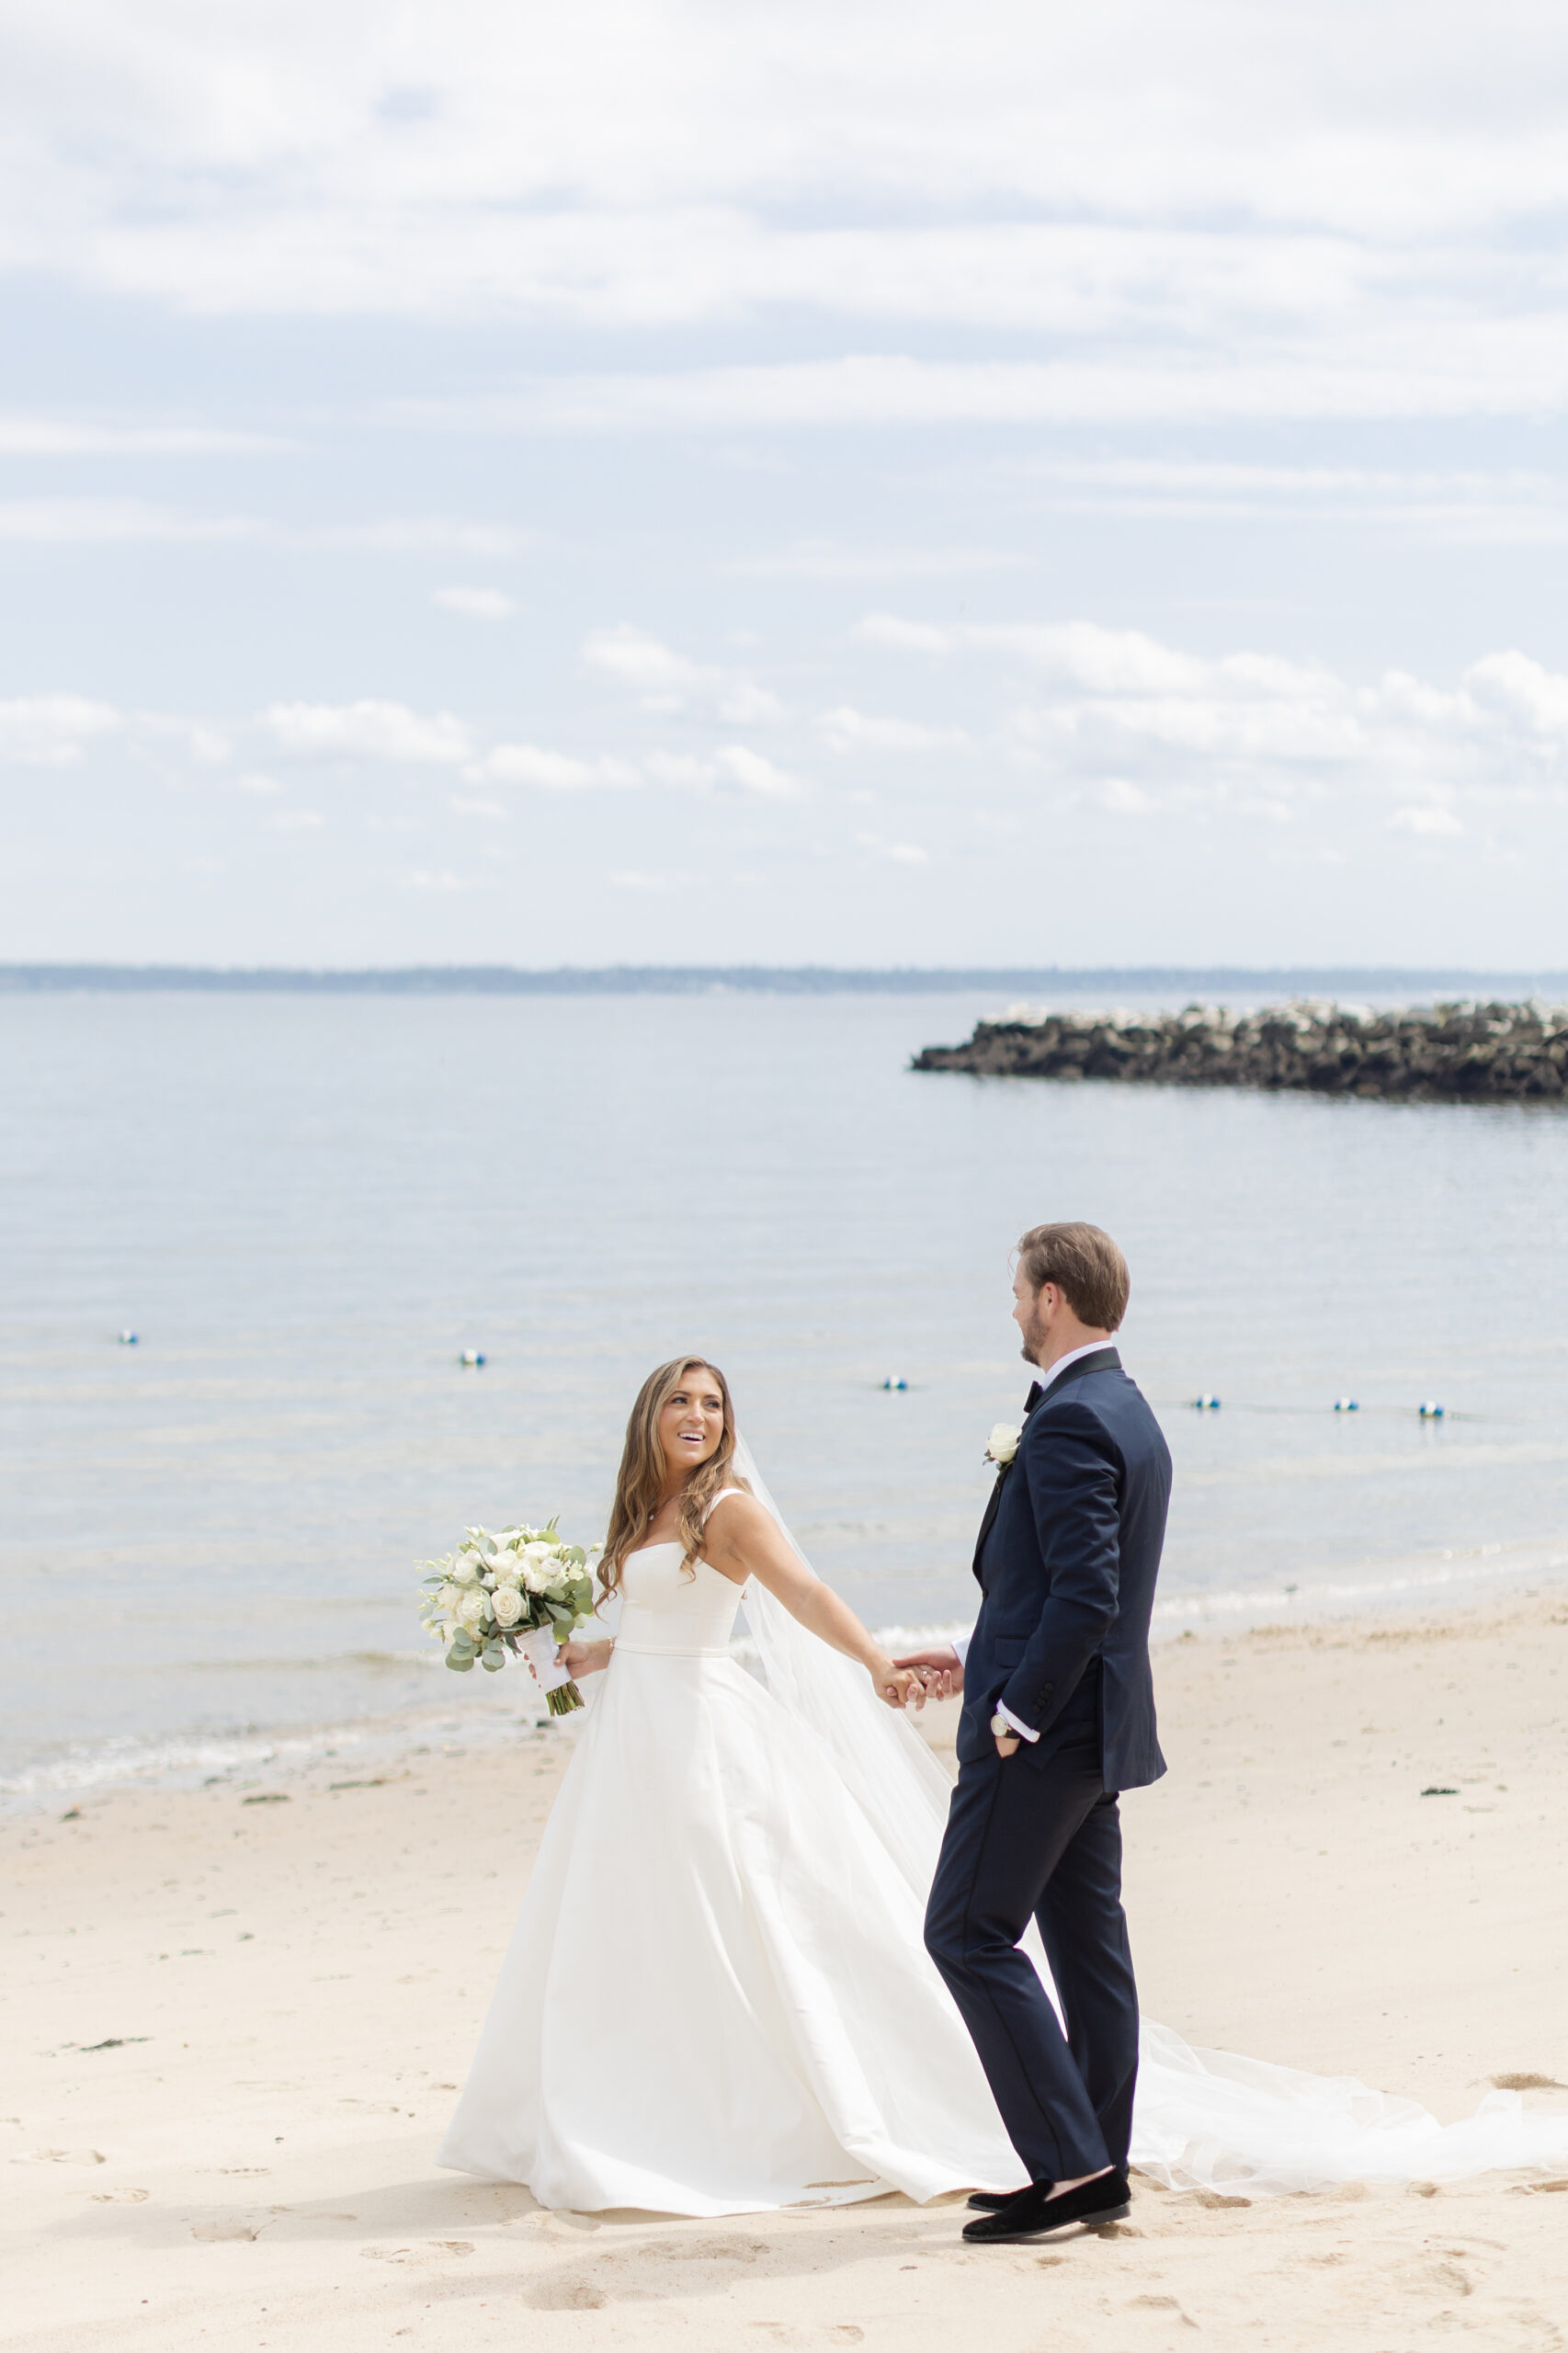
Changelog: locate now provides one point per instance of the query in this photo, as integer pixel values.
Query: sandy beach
(236, 2017)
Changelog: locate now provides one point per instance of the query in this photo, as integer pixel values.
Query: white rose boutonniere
(1002, 1443)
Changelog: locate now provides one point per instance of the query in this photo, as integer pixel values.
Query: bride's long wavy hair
(639, 1482)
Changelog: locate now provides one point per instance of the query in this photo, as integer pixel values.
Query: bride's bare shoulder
(736, 1508)
(735, 1525)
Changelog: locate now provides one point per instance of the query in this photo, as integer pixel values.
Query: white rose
(465, 1569)
(470, 1606)
(447, 1600)
(507, 1604)
(1002, 1443)
(538, 1550)
(539, 1575)
(508, 1569)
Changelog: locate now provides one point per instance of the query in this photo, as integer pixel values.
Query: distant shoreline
(1203, 982)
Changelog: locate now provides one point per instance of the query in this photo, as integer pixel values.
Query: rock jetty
(1467, 1053)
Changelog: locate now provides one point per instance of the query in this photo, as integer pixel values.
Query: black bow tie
(1032, 1400)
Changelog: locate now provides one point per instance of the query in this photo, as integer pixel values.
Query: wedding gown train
(718, 2001)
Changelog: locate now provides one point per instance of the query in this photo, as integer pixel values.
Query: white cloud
(668, 683)
(1486, 369)
(368, 731)
(24, 435)
(475, 604)
(1184, 202)
(1126, 799)
(410, 534)
(738, 765)
(1465, 504)
(256, 781)
(1421, 818)
(894, 852)
(746, 705)
(465, 807)
(1142, 726)
(552, 771)
(107, 522)
(298, 821)
(661, 678)
(53, 731)
(848, 730)
(1522, 692)
(88, 522)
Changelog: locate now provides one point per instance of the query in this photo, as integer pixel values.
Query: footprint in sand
(426, 2248)
(565, 2296)
(1166, 2304)
(707, 2250)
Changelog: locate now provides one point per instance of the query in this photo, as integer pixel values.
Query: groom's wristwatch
(1002, 1729)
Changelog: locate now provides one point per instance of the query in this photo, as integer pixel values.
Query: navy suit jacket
(1068, 1553)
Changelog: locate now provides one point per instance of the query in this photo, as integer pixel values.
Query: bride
(717, 1999)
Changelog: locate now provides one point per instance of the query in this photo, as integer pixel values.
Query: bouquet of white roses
(522, 1591)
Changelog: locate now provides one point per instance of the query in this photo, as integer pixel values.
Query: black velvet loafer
(1034, 2213)
(991, 2201)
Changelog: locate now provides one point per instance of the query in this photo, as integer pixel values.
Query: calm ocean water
(307, 1208)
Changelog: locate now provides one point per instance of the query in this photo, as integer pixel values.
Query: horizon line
(564, 980)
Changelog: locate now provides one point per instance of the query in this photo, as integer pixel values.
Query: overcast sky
(721, 483)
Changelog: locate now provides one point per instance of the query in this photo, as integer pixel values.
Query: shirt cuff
(1025, 1732)
(960, 1644)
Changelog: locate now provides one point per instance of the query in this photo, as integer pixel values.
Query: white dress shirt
(962, 1642)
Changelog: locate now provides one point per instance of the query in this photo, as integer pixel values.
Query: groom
(1058, 1717)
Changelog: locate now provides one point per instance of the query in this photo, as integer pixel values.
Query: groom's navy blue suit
(1068, 1553)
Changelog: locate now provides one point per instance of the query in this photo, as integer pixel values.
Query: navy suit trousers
(1037, 1833)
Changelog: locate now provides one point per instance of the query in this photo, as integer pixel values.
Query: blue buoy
(128, 1339)
(1429, 1410)
(1346, 1405)
(895, 1380)
(1207, 1405)
(471, 1355)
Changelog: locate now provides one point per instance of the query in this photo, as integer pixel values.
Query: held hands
(939, 1673)
(895, 1684)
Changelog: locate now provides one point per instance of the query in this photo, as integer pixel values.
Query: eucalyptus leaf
(459, 1663)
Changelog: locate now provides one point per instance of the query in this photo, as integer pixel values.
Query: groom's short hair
(1087, 1267)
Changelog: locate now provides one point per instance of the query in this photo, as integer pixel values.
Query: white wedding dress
(718, 2001)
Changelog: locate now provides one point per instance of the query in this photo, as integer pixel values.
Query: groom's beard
(1034, 1340)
